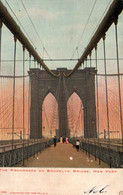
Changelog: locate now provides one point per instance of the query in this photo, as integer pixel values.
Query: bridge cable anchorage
(15, 29)
(114, 10)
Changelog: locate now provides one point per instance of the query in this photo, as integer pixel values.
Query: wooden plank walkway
(63, 155)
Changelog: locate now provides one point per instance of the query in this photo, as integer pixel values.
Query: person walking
(66, 140)
(77, 144)
(63, 140)
(54, 141)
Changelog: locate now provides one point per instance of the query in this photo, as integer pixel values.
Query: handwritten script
(96, 189)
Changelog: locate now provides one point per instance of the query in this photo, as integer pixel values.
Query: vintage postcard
(61, 97)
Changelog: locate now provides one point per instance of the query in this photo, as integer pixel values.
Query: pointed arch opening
(50, 122)
(75, 115)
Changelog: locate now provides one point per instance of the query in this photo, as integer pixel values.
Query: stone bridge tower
(82, 82)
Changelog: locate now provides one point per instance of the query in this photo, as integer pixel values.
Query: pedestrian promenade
(63, 155)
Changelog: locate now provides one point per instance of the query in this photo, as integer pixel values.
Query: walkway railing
(101, 151)
(10, 157)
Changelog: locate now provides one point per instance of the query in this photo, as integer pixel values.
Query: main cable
(19, 22)
(35, 29)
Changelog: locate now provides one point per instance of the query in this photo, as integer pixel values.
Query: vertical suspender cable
(97, 92)
(29, 105)
(82, 119)
(97, 107)
(38, 65)
(83, 64)
(119, 85)
(90, 60)
(0, 42)
(23, 100)
(86, 63)
(13, 107)
(34, 63)
(106, 98)
(29, 60)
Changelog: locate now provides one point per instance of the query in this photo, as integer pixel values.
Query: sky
(64, 28)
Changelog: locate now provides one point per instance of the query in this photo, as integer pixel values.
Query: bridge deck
(63, 155)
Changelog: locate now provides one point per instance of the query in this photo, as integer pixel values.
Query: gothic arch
(77, 113)
(47, 93)
(48, 115)
(82, 82)
(74, 90)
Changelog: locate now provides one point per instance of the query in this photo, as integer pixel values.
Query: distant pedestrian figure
(66, 141)
(77, 144)
(54, 141)
(63, 140)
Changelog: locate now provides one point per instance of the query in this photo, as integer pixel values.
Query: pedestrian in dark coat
(54, 141)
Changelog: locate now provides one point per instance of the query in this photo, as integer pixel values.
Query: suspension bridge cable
(19, 22)
(46, 116)
(34, 28)
(62, 60)
(15, 29)
(11, 77)
(113, 12)
(7, 101)
(78, 118)
(84, 29)
(101, 18)
(5, 107)
(53, 119)
(112, 75)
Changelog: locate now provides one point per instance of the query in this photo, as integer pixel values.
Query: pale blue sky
(60, 25)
